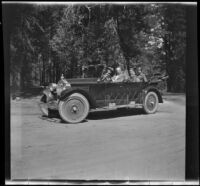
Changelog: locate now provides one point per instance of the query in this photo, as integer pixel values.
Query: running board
(107, 108)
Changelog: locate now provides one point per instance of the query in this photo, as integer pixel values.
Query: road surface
(114, 145)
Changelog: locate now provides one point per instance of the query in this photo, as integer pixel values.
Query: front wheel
(74, 109)
(150, 104)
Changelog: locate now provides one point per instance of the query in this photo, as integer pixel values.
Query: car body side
(104, 93)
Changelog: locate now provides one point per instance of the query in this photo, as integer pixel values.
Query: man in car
(133, 77)
(120, 76)
(140, 75)
(106, 77)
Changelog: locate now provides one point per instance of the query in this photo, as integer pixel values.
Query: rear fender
(153, 89)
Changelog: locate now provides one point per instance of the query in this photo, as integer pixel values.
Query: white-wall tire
(150, 104)
(74, 109)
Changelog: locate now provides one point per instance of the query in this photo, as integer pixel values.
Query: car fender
(68, 92)
(153, 89)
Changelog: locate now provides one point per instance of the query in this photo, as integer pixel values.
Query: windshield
(92, 71)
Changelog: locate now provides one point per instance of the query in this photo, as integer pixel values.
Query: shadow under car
(98, 115)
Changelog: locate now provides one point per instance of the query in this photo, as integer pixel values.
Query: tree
(49, 40)
(21, 45)
(175, 45)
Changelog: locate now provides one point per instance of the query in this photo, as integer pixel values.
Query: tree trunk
(43, 71)
(122, 45)
(22, 78)
(168, 62)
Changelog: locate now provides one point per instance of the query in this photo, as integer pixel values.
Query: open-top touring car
(75, 98)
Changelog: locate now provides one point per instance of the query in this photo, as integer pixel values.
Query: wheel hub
(151, 102)
(74, 109)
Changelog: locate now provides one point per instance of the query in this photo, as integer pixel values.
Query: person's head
(109, 70)
(118, 70)
(139, 70)
(132, 72)
(62, 77)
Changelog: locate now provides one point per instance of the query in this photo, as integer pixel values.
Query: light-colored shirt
(118, 78)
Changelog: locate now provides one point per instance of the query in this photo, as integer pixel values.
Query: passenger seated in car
(120, 76)
(140, 75)
(133, 77)
(126, 74)
(106, 75)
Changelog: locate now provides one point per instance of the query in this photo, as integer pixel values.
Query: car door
(116, 94)
(123, 93)
(97, 93)
(134, 91)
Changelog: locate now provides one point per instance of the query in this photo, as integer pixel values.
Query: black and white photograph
(97, 91)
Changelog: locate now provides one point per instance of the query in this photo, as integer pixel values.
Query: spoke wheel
(150, 104)
(74, 109)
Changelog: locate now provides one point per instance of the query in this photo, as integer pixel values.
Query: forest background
(48, 40)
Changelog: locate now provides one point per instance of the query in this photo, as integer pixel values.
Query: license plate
(132, 103)
(112, 104)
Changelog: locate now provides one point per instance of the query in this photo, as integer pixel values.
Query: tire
(43, 106)
(74, 109)
(150, 104)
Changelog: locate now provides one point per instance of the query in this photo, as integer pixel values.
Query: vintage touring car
(75, 98)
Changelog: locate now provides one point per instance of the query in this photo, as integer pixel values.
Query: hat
(110, 68)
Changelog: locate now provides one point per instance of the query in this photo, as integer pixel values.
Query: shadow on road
(97, 115)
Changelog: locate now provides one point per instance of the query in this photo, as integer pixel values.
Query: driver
(107, 76)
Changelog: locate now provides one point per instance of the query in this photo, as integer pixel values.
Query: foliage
(175, 46)
(46, 41)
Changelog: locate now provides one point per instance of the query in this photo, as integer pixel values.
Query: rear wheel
(74, 109)
(150, 104)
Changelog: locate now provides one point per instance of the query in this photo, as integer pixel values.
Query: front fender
(68, 92)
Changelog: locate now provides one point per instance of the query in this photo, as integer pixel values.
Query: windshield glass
(92, 71)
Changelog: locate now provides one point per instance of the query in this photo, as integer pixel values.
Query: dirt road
(113, 145)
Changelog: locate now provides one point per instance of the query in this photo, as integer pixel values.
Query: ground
(112, 145)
